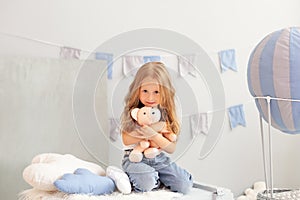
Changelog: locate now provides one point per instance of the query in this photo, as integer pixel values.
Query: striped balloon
(274, 70)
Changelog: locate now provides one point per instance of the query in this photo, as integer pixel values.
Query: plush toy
(251, 194)
(51, 172)
(151, 117)
(48, 167)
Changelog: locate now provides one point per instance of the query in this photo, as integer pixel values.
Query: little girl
(152, 87)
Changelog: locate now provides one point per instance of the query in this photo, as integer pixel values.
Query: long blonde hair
(157, 71)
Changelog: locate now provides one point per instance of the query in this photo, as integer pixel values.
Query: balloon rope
(270, 144)
(264, 152)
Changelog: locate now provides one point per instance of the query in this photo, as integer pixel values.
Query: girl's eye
(145, 91)
(156, 92)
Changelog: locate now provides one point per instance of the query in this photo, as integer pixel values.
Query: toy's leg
(136, 154)
(151, 152)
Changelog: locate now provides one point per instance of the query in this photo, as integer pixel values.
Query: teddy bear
(149, 116)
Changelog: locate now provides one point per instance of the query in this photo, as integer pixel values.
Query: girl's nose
(151, 97)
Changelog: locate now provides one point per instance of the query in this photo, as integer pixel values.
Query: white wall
(215, 25)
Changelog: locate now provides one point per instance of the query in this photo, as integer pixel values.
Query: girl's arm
(164, 143)
(158, 139)
(131, 138)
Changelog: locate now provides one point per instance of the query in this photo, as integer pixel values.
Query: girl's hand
(158, 139)
(153, 144)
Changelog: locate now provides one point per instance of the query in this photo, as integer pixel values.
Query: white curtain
(36, 115)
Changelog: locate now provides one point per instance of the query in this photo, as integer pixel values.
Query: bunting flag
(185, 65)
(114, 130)
(69, 53)
(236, 116)
(131, 64)
(227, 60)
(108, 57)
(151, 59)
(199, 124)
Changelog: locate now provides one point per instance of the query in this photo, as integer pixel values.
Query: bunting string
(43, 42)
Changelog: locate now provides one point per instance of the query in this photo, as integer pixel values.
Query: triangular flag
(69, 52)
(236, 116)
(114, 130)
(151, 59)
(186, 65)
(109, 59)
(131, 64)
(227, 60)
(199, 124)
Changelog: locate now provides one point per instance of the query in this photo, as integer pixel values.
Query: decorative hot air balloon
(274, 70)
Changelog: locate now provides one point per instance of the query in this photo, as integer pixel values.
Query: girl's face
(149, 93)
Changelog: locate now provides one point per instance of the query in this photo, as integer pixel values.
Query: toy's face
(149, 93)
(146, 115)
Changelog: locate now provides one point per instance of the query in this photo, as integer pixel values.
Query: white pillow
(48, 167)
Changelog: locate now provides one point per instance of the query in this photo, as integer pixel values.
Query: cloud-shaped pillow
(85, 182)
(47, 168)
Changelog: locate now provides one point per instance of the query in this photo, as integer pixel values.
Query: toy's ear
(134, 113)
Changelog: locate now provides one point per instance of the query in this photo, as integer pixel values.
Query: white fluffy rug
(34, 194)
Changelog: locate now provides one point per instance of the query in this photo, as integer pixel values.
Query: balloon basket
(279, 194)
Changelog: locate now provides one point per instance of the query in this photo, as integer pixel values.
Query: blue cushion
(85, 182)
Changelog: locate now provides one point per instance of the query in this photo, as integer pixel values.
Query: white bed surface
(205, 192)
(199, 191)
(33, 194)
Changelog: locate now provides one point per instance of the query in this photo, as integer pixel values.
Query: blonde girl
(152, 87)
